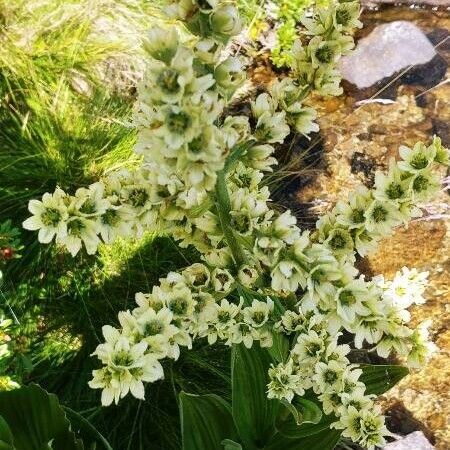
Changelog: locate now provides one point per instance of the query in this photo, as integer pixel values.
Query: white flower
(309, 348)
(225, 20)
(350, 300)
(284, 382)
(365, 426)
(91, 202)
(284, 227)
(127, 364)
(424, 184)
(391, 187)
(161, 43)
(271, 128)
(151, 323)
(263, 104)
(406, 288)
(247, 275)
(323, 53)
(49, 216)
(258, 313)
(235, 130)
(259, 157)
(180, 301)
(287, 276)
(417, 159)
(222, 280)
(382, 217)
(115, 222)
(351, 213)
(422, 348)
(197, 276)
(303, 120)
(346, 15)
(80, 230)
(327, 377)
(230, 75)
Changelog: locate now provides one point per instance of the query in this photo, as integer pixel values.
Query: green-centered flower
(382, 217)
(49, 216)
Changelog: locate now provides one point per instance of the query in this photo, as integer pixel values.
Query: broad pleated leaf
(280, 348)
(206, 422)
(303, 419)
(324, 440)
(379, 379)
(6, 438)
(35, 418)
(253, 413)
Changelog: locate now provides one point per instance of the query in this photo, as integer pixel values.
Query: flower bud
(161, 43)
(225, 20)
(230, 74)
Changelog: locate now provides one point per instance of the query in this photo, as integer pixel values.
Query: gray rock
(414, 441)
(388, 49)
(374, 3)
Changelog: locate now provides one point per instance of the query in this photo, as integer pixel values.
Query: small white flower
(49, 216)
(284, 382)
(258, 313)
(382, 217)
(222, 280)
(417, 159)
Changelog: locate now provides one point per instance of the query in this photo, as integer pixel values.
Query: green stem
(224, 207)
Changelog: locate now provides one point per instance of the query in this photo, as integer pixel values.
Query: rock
(388, 49)
(375, 3)
(414, 441)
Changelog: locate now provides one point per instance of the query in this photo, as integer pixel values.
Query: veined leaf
(254, 414)
(302, 418)
(324, 440)
(280, 348)
(379, 379)
(206, 422)
(6, 438)
(35, 418)
(228, 444)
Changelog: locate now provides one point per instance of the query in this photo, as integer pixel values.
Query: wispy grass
(67, 71)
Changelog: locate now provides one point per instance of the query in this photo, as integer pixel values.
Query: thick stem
(224, 207)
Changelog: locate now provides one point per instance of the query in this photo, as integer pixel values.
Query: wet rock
(414, 441)
(388, 49)
(426, 75)
(439, 37)
(363, 163)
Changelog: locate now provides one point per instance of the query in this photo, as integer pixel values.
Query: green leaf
(35, 418)
(253, 413)
(280, 348)
(86, 430)
(6, 438)
(379, 379)
(206, 422)
(324, 440)
(302, 418)
(228, 444)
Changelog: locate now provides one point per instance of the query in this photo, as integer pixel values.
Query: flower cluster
(201, 180)
(329, 31)
(319, 363)
(182, 307)
(370, 215)
(6, 382)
